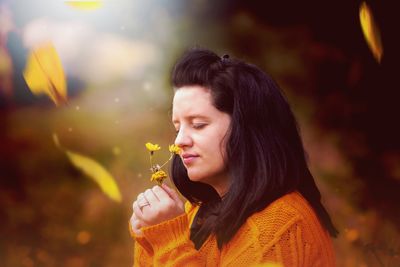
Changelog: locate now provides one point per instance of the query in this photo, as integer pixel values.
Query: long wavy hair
(265, 157)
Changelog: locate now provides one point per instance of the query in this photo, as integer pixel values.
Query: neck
(222, 186)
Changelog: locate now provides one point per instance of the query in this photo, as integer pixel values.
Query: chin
(195, 177)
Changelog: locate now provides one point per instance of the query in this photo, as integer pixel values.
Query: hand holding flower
(163, 204)
(160, 203)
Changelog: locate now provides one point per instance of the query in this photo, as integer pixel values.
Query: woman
(242, 168)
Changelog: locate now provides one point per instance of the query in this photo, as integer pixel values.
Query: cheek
(213, 144)
(216, 153)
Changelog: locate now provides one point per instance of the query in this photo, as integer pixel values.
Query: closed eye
(199, 126)
(196, 126)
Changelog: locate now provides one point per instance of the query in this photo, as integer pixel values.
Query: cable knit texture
(287, 233)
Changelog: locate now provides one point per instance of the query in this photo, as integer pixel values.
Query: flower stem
(151, 161)
(170, 157)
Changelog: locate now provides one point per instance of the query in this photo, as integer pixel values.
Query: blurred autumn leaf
(371, 31)
(6, 72)
(44, 73)
(84, 5)
(93, 170)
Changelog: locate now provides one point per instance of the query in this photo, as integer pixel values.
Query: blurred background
(85, 84)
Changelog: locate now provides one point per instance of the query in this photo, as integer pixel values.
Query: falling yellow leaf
(94, 171)
(371, 31)
(44, 73)
(84, 4)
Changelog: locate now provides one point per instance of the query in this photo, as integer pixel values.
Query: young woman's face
(201, 129)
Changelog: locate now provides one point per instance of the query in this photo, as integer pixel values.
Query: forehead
(192, 100)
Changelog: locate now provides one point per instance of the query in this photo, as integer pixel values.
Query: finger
(139, 203)
(138, 212)
(151, 197)
(136, 227)
(133, 221)
(160, 193)
(172, 193)
(142, 200)
(136, 224)
(140, 196)
(135, 203)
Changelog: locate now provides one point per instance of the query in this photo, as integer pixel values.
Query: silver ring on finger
(143, 202)
(144, 205)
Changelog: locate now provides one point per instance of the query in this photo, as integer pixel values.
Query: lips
(189, 158)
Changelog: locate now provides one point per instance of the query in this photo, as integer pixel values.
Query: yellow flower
(174, 149)
(159, 176)
(152, 147)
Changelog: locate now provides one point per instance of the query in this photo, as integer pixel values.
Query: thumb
(171, 192)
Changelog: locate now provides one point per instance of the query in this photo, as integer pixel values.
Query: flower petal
(152, 147)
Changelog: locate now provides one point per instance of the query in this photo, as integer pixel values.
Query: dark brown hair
(264, 153)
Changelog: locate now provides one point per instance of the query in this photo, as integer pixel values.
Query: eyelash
(197, 126)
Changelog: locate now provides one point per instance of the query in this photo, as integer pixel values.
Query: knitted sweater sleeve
(171, 243)
(143, 252)
(167, 243)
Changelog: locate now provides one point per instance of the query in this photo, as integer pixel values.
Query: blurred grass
(49, 203)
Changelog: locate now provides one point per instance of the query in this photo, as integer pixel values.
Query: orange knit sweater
(286, 232)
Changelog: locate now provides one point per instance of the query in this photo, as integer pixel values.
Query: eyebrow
(191, 117)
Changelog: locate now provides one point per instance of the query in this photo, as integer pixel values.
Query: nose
(183, 138)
